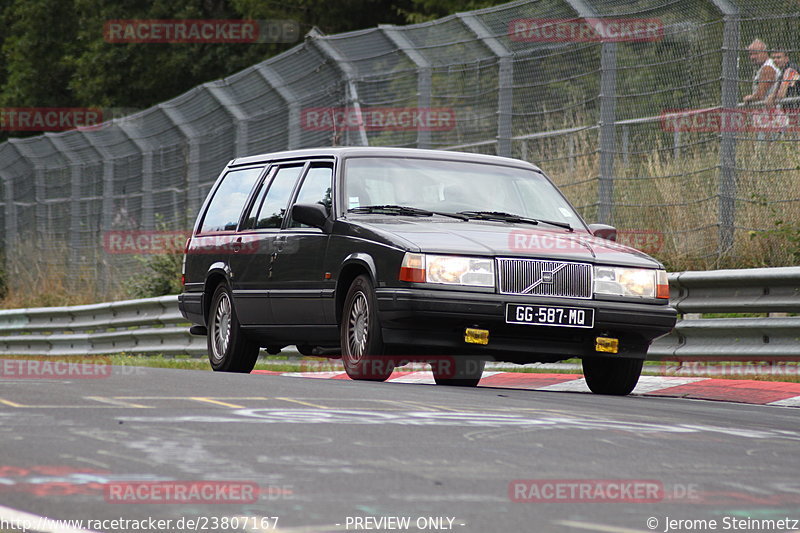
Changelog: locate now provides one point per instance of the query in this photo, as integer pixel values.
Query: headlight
(633, 282)
(448, 270)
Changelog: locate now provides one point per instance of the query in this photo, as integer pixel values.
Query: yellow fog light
(606, 344)
(476, 336)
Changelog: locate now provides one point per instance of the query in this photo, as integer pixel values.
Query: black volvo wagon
(382, 256)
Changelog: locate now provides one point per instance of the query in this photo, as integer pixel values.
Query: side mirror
(604, 231)
(314, 215)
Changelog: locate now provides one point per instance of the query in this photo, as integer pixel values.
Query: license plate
(543, 315)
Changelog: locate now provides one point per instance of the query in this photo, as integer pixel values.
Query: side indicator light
(476, 336)
(606, 344)
(413, 268)
(662, 285)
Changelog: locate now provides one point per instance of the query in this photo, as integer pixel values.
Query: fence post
(192, 139)
(571, 152)
(727, 148)
(75, 217)
(40, 206)
(349, 74)
(147, 219)
(505, 80)
(10, 235)
(107, 214)
(424, 76)
(626, 145)
(218, 91)
(292, 102)
(608, 112)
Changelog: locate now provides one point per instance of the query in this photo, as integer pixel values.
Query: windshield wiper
(403, 210)
(509, 217)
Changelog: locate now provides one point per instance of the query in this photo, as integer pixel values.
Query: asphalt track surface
(323, 452)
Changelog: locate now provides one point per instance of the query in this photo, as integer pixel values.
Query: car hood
(503, 239)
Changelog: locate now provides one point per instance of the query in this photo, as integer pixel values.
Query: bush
(160, 275)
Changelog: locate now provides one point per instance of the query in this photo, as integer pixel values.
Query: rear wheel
(616, 377)
(458, 371)
(362, 345)
(228, 349)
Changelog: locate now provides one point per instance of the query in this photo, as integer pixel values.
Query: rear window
(226, 206)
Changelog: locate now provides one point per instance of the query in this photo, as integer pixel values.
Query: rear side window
(316, 188)
(273, 204)
(226, 206)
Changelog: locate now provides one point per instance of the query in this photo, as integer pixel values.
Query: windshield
(453, 186)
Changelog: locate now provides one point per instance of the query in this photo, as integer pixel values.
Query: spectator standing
(767, 78)
(789, 86)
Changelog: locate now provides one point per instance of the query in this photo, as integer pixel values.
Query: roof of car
(375, 151)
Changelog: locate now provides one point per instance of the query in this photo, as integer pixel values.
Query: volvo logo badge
(547, 276)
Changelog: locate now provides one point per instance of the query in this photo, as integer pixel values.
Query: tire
(360, 334)
(458, 371)
(228, 349)
(617, 377)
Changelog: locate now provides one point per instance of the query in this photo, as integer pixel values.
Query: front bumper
(424, 320)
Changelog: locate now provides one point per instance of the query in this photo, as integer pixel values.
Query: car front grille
(536, 277)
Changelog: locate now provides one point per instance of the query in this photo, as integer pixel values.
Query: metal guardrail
(146, 326)
(757, 290)
(154, 325)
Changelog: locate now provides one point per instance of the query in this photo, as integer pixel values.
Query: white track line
(40, 524)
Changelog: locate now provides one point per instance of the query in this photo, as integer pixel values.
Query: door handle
(280, 241)
(237, 244)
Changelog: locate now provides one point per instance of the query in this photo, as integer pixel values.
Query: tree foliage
(53, 52)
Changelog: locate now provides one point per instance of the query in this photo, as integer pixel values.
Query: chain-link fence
(633, 107)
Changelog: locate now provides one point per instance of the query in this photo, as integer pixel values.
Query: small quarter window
(229, 199)
(316, 188)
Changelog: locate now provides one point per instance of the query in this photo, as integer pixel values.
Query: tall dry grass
(39, 274)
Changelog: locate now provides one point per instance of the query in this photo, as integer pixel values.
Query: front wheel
(228, 349)
(616, 377)
(362, 343)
